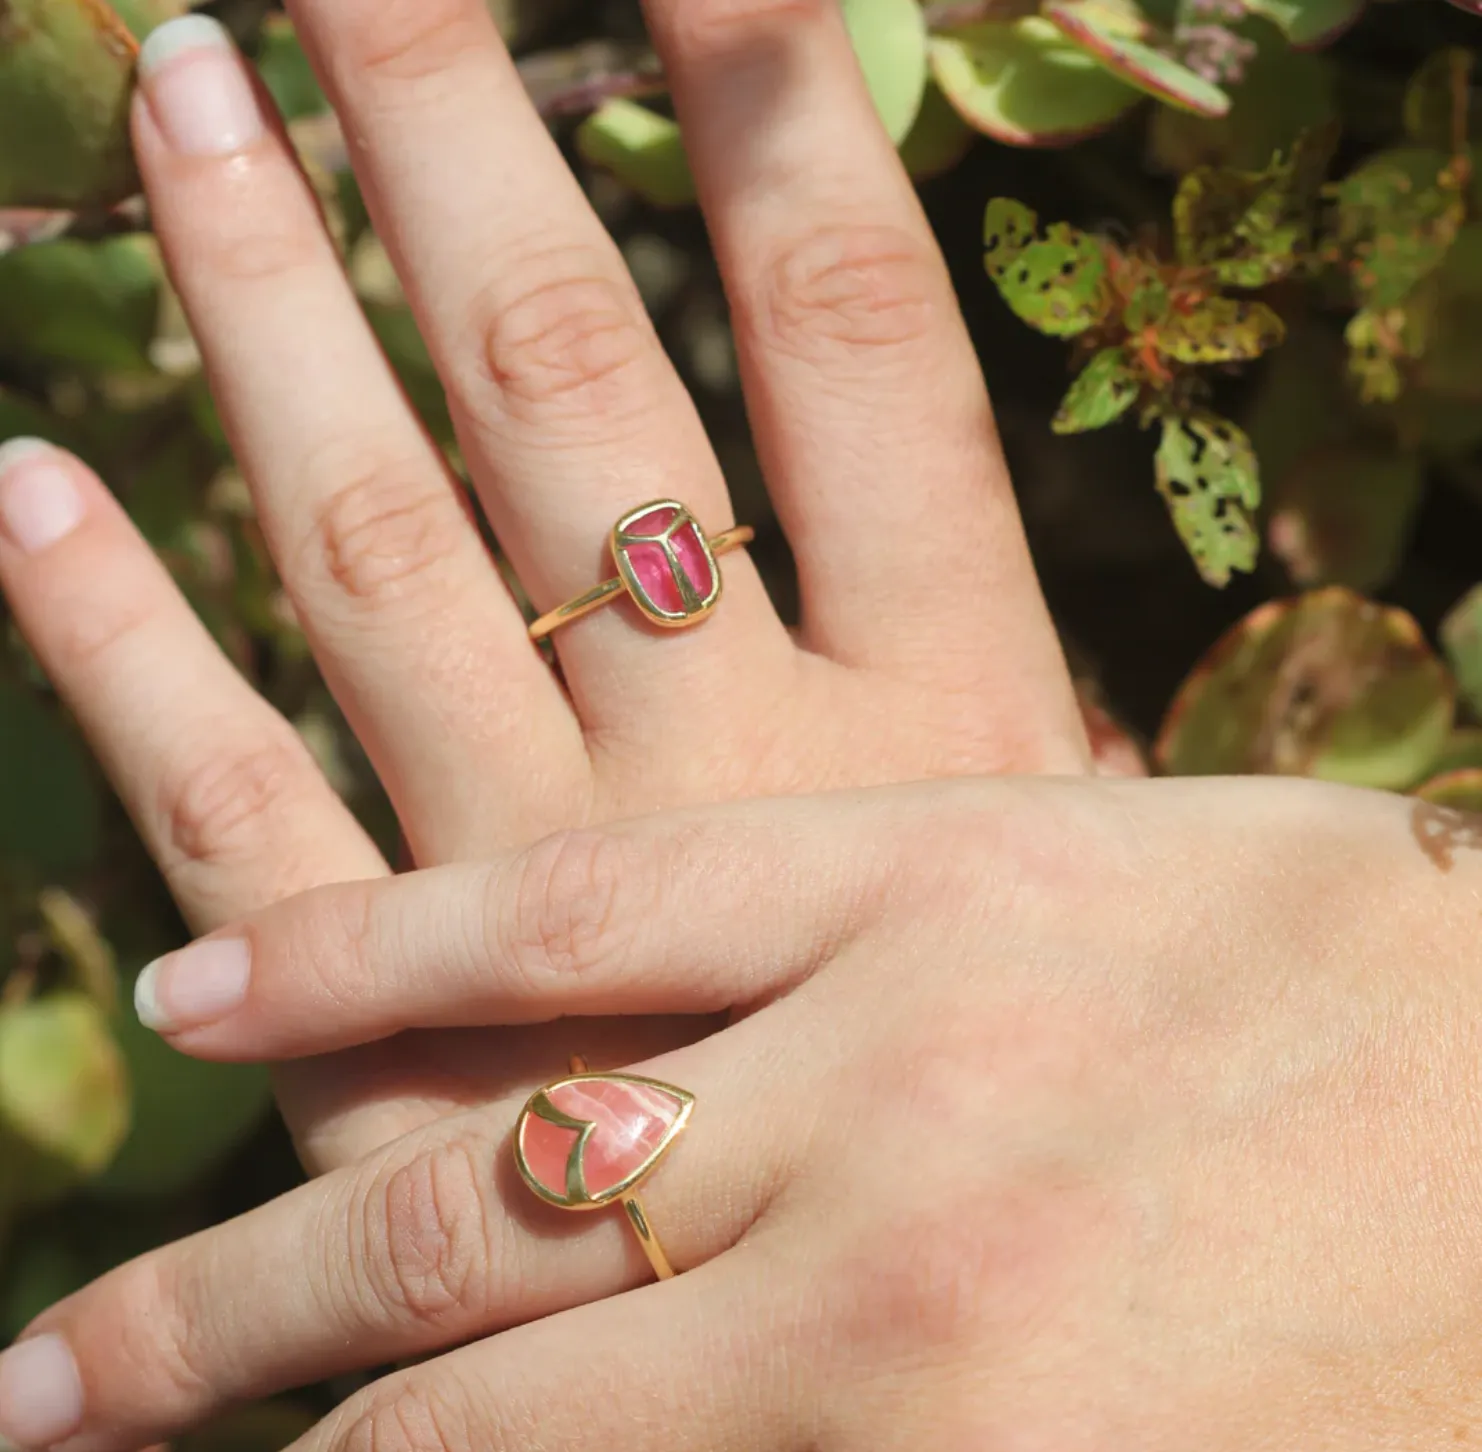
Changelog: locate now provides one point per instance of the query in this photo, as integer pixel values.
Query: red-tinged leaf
(1022, 83)
(1325, 685)
(1121, 43)
(1219, 330)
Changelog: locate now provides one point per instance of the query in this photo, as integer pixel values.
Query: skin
(1173, 1141)
(870, 415)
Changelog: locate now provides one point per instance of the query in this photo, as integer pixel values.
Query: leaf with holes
(1219, 330)
(1022, 83)
(1325, 685)
(1106, 388)
(1146, 292)
(1208, 475)
(1395, 220)
(1057, 284)
(1122, 43)
(1252, 228)
(1309, 23)
(1008, 228)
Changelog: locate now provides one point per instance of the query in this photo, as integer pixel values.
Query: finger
(374, 539)
(656, 917)
(668, 1369)
(222, 789)
(427, 1244)
(869, 406)
(568, 411)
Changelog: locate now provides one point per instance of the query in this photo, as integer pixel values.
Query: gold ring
(589, 1140)
(665, 564)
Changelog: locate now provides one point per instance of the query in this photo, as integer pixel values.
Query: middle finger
(567, 409)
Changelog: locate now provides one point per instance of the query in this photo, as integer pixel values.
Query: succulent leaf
(1308, 23)
(642, 149)
(1022, 83)
(1119, 39)
(889, 38)
(1208, 475)
(1325, 685)
(1461, 639)
(1106, 388)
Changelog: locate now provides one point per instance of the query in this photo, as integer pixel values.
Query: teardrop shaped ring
(665, 564)
(590, 1140)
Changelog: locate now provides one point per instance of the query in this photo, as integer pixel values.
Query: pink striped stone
(651, 563)
(632, 1122)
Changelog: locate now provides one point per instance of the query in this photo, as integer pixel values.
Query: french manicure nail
(194, 987)
(40, 1393)
(39, 502)
(198, 89)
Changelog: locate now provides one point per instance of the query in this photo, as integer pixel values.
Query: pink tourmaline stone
(651, 564)
(631, 1120)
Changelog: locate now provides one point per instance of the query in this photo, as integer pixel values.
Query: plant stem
(563, 82)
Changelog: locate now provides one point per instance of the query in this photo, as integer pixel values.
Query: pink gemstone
(693, 559)
(651, 565)
(654, 523)
(631, 1122)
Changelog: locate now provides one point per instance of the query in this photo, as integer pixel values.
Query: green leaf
(1344, 512)
(1309, 22)
(889, 38)
(1208, 476)
(1105, 390)
(63, 1090)
(1458, 791)
(1219, 330)
(188, 1115)
(142, 16)
(642, 149)
(939, 139)
(1252, 228)
(50, 796)
(1008, 228)
(1118, 37)
(1022, 83)
(1056, 284)
(89, 305)
(1461, 639)
(66, 67)
(1326, 685)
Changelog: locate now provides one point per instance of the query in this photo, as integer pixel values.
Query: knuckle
(415, 1416)
(86, 636)
(427, 1248)
(220, 805)
(856, 289)
(409, 40)
(573, 899)
(569, 343)
(250, 255)
(385, 529)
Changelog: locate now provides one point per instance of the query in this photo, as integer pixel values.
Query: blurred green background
(1364, 414)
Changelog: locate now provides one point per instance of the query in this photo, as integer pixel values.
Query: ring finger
(567, 409)
(429, 1243)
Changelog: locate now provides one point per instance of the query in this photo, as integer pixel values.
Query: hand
(1057, 1115)
(925, 648)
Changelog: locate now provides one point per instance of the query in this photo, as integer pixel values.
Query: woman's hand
(925, 648)
(1059, 1115)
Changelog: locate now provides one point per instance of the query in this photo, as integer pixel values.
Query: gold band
(624, 583)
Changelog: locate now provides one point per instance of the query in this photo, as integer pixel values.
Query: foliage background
(109, 1143)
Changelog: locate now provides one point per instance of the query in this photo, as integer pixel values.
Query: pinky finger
(228, 799)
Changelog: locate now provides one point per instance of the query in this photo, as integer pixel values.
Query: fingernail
(40, 1393)
(197, 88)
(39, 503)
(194, 987)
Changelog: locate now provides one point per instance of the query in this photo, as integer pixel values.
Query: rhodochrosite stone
(665, 558)
(618, 1127)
